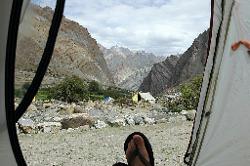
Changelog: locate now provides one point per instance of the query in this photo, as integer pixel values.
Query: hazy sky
(160, 26)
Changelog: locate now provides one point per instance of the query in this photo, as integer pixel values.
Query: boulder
(163, 120)
(79, 109)
(129, 120)
(48, 127)
(57, 119)
(117, 123)
(165, 110)
(77, 120)
(190, 114)
(100, 124)
(84, 128)
(138, 120)
(47, 105)
(148, 120)
(67, 109)
(26, 126)
(32, 107)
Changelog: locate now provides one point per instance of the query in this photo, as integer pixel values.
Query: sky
(163, 27)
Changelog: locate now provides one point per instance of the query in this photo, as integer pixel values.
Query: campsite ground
(103, 147)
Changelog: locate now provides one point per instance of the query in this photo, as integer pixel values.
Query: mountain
(171, 72)
(159, 78)
(76, 52)
(127, 67)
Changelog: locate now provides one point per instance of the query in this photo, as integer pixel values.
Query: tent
(220, 135)
(143, 97)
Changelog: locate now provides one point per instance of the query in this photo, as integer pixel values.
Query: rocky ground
(93, 133)
(103, 147)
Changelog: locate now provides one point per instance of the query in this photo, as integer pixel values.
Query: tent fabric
(220, 134)
(6, 154)
(147, 97)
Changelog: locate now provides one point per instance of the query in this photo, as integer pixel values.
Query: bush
(94, 87)
(71, 89)
(116, 93)
(189, 98)
(190, 93)
(44, 94)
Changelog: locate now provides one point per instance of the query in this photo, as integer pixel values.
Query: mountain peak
(176, 69)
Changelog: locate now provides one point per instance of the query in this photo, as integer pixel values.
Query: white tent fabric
(7, 157)
(147, 97)
(221, 136)
(6, 154)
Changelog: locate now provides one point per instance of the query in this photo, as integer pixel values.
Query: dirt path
(103, 147)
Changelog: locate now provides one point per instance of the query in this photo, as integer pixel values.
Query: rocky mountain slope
(75, 53)
(168, 74)
(159, 78)
(129, 68)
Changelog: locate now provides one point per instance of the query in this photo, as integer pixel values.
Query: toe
(131, 148)
(139, 142)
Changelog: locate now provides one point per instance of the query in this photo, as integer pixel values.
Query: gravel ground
(104, 147)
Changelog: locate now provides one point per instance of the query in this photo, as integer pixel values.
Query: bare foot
(137, 143)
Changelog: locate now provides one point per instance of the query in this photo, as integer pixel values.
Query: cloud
(160, 26)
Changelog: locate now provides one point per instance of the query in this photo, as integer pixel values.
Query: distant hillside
(159, 78)
(167, 74)
(129, 68)
(75, 53)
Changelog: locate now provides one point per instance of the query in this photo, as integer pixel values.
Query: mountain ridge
(165, 75)
(75, 53)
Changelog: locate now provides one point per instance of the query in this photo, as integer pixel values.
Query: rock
(47, 119)
(177, 69)
(32, 107)
(70, 130)
(74, 39)
(100, 124)
(84, 128)
(57, 119)
(129, 119)
(69, 109)
(149, 120)
(117, 123)
(79, 109)
(77, 120)
(47, 105)
(165, 110)
(17, 129)
(190, 114)
(26, 126)
(163, 120)
(138, 120)
(157, 108)
(48, 127)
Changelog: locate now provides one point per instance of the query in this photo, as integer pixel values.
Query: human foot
(137, 154)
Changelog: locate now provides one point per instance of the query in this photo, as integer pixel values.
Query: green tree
(190, 93)
(94, 87)
(71, 89)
